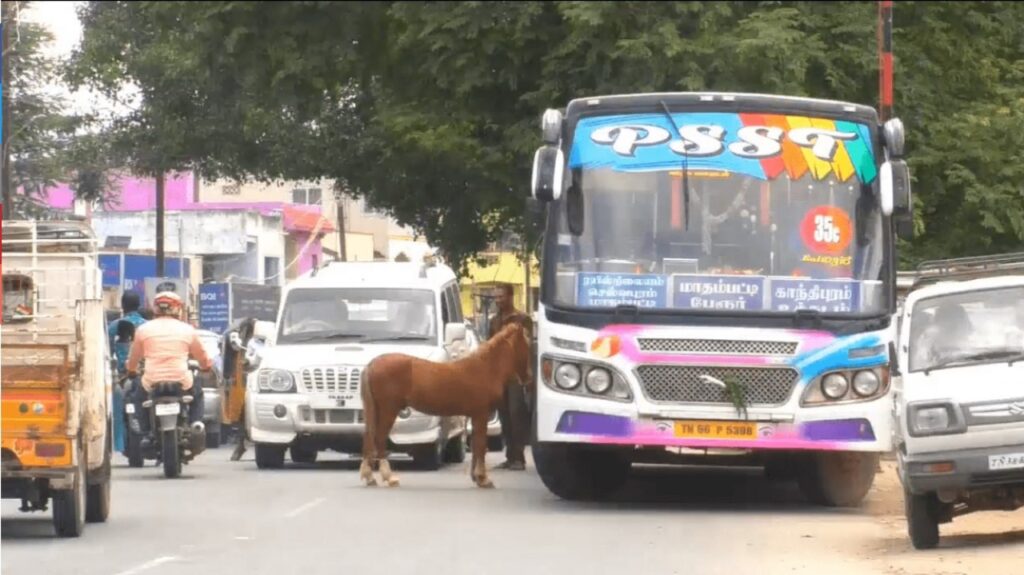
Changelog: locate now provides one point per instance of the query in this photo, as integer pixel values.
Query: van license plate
(1008, 461)
(168, 409)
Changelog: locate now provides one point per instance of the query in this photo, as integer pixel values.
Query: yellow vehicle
(55, 375)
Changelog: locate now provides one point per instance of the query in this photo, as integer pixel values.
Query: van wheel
(455, 452)
(429, 457)
(837, 479)
(269, 456)
(97, 502)
(69, 504)
(922, 523)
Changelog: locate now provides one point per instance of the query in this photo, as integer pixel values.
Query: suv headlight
(276, 381)
(599, 381)
(932, 418)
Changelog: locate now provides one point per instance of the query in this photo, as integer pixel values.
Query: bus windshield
(776, 213)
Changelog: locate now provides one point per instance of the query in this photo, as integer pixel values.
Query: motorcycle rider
(165, 343)
(121, 332)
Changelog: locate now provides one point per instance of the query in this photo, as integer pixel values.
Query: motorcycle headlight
(276, 381)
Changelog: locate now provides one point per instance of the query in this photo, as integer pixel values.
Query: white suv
(959, 404)
(305, 394)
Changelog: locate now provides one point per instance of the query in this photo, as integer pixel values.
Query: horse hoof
(371, 482)
(393, 482)
(485, 484)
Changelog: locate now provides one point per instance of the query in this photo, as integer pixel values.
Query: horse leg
(479, 471)
(383, 431)
(369, 433)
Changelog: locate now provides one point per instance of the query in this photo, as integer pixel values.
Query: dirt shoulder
(978, 544)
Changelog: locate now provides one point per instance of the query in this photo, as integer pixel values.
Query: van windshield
(967, 328)
(359, 314)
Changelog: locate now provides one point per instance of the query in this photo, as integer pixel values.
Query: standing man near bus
(513, 410)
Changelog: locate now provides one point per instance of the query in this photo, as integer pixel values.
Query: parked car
(213, 389)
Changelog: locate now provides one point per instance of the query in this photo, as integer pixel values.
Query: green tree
(431, 109)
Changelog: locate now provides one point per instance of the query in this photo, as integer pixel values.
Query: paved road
(231, 519)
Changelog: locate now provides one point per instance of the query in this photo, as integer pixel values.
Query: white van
(304, 397)
(959, 404)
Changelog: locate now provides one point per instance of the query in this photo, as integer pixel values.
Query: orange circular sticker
(827, 230)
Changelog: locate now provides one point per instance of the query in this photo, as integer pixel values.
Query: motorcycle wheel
(133, 449)
(171, 456)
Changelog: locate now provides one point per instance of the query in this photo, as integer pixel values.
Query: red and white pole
(885, 59)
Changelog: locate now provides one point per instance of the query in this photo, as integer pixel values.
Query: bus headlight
(866, 383)
(599, 380)
(567, 376)
(584, 378)
(835, 385)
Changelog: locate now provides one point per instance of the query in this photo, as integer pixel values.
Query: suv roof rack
(975, 267)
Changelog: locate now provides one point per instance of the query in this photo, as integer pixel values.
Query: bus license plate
(716, 429)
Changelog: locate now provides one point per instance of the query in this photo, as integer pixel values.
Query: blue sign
(823, 295)
(214, 307)
(137, 268)
(718, 292)
(610, 290)
(110, 264)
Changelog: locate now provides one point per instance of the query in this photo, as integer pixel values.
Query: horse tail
(369, 415)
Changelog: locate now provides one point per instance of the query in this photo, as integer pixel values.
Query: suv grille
(718, 346)
(330, 379)
(683, 384)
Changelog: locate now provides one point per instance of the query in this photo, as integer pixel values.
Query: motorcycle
(173, 442)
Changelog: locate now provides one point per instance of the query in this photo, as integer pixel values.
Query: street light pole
(5, 176)
(160, 224)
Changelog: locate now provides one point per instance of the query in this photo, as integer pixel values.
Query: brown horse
(471, 386)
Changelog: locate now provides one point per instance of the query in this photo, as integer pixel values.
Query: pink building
(304, 226)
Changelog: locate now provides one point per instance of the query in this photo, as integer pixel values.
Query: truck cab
(304, 396)
(959, 406)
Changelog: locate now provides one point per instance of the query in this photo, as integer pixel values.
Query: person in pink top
(166, 343)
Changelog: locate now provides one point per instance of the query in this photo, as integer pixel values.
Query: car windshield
(358, 314)
(759, 223)
(967, 328)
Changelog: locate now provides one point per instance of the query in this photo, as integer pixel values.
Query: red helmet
(167, 303)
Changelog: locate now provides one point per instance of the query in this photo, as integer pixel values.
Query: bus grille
(717, 346)
(696, 384)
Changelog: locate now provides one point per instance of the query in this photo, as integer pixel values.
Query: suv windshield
(760, 222)
(321, 314)
(966, 328)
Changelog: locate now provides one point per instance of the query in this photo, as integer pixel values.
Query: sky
(61, 19)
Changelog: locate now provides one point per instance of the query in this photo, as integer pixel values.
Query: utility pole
(339, 205)
(5, 29)
(885, 80)
(160, 224)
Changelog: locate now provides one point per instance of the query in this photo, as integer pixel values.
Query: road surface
(228, 518)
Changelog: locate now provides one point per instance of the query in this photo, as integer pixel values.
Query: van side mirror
(454, 332)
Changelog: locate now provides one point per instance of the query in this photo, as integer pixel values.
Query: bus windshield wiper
(686, 165)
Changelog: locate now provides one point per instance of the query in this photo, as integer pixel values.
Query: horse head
(516, 336)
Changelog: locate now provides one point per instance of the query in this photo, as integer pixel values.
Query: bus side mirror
(548, 173)
(894, 188)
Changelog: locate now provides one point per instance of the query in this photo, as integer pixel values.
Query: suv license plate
(168, 409)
